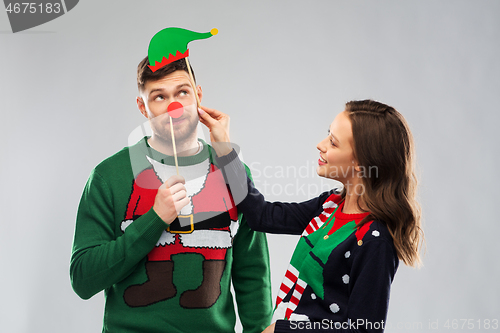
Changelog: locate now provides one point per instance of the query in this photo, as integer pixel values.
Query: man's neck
(188, 147)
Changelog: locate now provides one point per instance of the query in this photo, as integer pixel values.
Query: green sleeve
(251, 278)
(100, 257)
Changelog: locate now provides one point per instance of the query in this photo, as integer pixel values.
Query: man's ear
(142, 106)
(200, 92)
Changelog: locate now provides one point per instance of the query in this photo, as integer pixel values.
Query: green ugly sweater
(176, 278)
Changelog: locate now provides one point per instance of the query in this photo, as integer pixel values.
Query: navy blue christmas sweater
(340, 274)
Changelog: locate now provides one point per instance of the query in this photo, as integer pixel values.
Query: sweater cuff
(235, 175)
(226, 159)
(282, 326)
(150, 226)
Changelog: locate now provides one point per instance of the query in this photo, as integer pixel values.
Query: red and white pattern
(328, 207)
(292, 274)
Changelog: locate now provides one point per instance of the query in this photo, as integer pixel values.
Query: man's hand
(269, 329)
(218, 124)
(170, 199)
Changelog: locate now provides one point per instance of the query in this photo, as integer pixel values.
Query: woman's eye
(333, 144)
(159, 98)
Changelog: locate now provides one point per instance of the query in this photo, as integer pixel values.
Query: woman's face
(336, 159)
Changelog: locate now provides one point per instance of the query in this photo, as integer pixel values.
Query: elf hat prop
(170, 44)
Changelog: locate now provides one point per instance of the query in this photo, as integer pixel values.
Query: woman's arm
(262, 215)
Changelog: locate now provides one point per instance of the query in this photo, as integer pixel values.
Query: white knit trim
(125, 224)
(195, 176)
(166, 238)
(279, 313)
(233, 228)
(207, 238)
(329, 204)
(319, 223)
(293, 270)
(287, 282)
(196, 172)
(299, 317)
(302, 283)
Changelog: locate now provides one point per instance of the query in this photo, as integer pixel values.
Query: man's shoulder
(124, 158)
(120, 157)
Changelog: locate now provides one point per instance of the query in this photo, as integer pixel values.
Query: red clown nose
(175, 109)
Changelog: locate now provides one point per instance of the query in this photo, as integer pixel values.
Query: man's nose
(175, 109)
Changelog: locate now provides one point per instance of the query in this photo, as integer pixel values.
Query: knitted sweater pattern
(340, 275)
(174, 278)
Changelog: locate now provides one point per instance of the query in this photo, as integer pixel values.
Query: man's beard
(161, 127)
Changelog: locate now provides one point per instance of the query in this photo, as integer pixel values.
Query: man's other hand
(171, 198)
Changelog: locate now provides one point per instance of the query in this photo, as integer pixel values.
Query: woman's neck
(353, 203)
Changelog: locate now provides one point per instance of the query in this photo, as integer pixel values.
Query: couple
(166, 248)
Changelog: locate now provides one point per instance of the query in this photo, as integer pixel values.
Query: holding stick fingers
(171, 198)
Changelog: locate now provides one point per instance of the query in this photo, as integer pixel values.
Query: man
(165, 250)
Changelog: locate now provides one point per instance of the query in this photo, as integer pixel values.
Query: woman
(341, 271)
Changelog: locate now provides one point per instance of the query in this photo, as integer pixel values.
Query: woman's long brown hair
(383, 142)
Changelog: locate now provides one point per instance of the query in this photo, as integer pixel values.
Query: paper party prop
(167, 46)
(175, 109)
(170, 44)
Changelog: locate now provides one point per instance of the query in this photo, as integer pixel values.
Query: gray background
(282, 70)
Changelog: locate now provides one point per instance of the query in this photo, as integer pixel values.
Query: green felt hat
(170, 44)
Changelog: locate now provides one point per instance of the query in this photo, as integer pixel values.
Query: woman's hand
(218, 124)
(270, 328)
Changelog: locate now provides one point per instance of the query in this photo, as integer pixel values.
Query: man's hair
(145, 74)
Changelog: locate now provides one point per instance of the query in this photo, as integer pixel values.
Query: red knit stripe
(309, 229)
(299, 288)
(314, 223)
(322, 217)
(288, 313)
(329, 211)
(360, 233)
(285, 288)
(290, 276)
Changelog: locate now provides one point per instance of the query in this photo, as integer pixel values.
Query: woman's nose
(321, 145)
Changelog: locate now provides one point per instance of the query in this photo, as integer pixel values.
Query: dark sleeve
(261, 215)
(373, 269)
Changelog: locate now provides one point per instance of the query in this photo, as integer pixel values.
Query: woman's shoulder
(375, 234)
(374, 230)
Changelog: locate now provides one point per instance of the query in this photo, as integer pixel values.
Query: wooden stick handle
(193, 83)
(173, 144)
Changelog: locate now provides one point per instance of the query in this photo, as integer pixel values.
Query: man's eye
(159, 98)
(183, 93)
